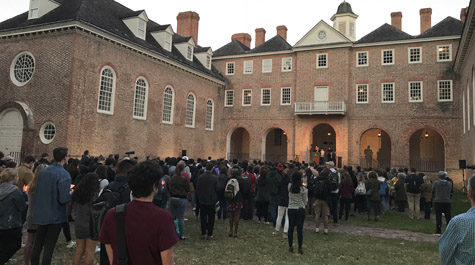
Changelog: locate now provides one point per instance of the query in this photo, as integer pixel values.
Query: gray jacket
(12, 206)
(441, 190)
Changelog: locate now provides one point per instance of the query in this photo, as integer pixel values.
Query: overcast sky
(220, 19)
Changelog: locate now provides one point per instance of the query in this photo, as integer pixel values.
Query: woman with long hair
(179, 189)
(297, 202)
(85, 193)
(30, 227)
(262, 196)
(235, 201)
(101, 172)
(346, 190)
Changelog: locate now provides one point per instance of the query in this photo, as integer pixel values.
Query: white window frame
(357, 93)
(326, 60)
(468, 108)
(438, 53)
(228, 64)
(358, 61)
(392, 57)
(208, 61)
(42, 132)
(262, 96)
(266, 65)
(382, 93)
(244, 97)
(112, 97)
(451, 91)
(422, 91)
(172, 109)
(192, 111)
(409, 55)
(228, 93)
(209, 126)
(282, 96)
(12, 69)
(34, 9)
(287, 63)
(168, 42)
(248, 67)
(189, 53)
(144, 117)
(142, 28)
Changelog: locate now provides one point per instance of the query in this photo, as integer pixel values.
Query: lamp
(329, 134)
(426, 135)
(379, 134)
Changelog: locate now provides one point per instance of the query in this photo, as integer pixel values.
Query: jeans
(177, 209)
(207, 216)
(334, 207)
(376, 206)
(280, 215)
(223, 208)
(296, 218)
(274, 204)
(413, 200)
(46, 238)
(10, 243)
(345, 204)
(385, 203)
(445, 208)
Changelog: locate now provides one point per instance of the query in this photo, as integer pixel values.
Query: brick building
(96, 75)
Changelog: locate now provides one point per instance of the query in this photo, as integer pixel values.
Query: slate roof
(133, 14)
(447, 27)
(105, 15)
(201, 49)
(235, 47)
(277, 43)
(385, 33)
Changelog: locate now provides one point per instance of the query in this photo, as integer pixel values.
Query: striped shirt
(457, 244)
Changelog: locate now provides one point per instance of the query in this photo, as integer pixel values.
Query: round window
(22, 68)
(47, 132)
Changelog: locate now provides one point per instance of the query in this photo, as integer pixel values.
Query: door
(11, 131)
(321, 93)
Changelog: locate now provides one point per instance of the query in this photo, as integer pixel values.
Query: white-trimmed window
(362, 59)
(209, 115)
(415, 91)
(267, 65)
(387, 92)
(322, 60)
(141, 29)
(189, 54)
(387, 57)
(47, 132)
(105, 103)
(248, 67)
(140, 99)
(246, 97)
(468, 108)
(414, 55)
(362, 93)
(285, 96)
(168, 103)
(22, 68)
(287, 64)
(444, 92)
(34, 7)
(168, 42)
(190, 111)
(208, 61)
(265, 97)
(230, 68)
(444, 53)
(228, 98)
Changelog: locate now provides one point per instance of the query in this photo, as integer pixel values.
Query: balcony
(320, 108)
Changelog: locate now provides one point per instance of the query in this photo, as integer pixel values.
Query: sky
(219, 19)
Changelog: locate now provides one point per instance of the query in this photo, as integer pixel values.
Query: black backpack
(320, 190)
(246, 177)
(312, 185)
(334, 180)
(413, 186)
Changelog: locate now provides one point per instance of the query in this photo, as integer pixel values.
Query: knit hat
(280, 167)
(442, 174)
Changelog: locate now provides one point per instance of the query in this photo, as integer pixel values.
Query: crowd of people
(44, 196)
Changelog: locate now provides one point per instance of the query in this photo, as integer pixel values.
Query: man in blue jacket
(50, 206)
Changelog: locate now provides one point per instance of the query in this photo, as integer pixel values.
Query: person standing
(426, 197)
(235, 201)
(25, 175)
(179, 189)
(346, 190)
(442, 189)
(297, 202)
(413, 188)
(283, 205)
(372, 188)
(457, 244)
(222, 181)
(206, 188)
(50, 206)
(335, 196)
(400, 195)
(263, 195)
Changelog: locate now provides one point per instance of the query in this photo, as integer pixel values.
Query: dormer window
(141, 29)
(189, 54)
(164, 36)
(204, 56)
(137, 23)
(34, 7)
(208, 61)
(39, 8)
(168, 42)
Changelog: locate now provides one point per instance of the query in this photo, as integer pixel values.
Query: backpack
(361, 188)
(382, 188)
(107, 200)
(320, 191)
(312, 185)
(247, 183)
(412, 185)
(334, 180)
(232, 188)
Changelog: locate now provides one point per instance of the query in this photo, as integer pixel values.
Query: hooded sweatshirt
(441, 190)
(12, 206)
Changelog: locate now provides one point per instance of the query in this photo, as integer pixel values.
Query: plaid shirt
(457, 244)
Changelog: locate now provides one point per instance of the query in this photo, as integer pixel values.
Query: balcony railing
(320, 107)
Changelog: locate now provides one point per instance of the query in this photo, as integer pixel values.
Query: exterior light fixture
(329, 134)
(426, 135)
(379, 134)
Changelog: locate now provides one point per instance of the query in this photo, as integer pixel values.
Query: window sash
(265, 96)
(285, 98)
(387, 93)
(246, 97)
(267, 65)
(415, 91)
(229, 98)
(362, 58)
(287, 64)
(444, 90)
(230, 68)
(362, 93)
(322, 60)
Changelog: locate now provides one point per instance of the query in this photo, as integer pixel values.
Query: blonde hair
(427, 179)
(8, 174)
(32, 184)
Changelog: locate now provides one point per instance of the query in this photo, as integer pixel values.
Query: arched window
(168, 98)
(140, 100)
(190, 111)
(209, 115)
(105, 103)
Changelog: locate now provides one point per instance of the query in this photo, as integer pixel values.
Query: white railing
(320, 107)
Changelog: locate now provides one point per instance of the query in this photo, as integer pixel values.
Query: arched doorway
(238, 144)
(427, 151)
(11, 133)
(274, 147)
(323, 136)
(375, 149)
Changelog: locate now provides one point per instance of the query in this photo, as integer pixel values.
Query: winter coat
(400, 191)
(373, 185)
(273, 180)
(426, 191)
(283, 194)
(262, 193)
(442, 189)
(12, 206)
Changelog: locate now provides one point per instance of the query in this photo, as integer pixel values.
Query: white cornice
(467, 34)
(246, 55)
(409, 41)
(322, 47)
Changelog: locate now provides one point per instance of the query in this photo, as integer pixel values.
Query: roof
(133, 14)
(201, 49)
(344, 8)
(105, 16)
(235, 47)
(385, 33)
(277, 43)
(447, 27)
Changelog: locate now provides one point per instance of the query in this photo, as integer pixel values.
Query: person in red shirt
(149, 230)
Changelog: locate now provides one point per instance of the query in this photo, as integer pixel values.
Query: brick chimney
(187, 25)
(260, 36)
(396, 20)
(282, 31)
(426, 23)
(244, 38)
(463, 14)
